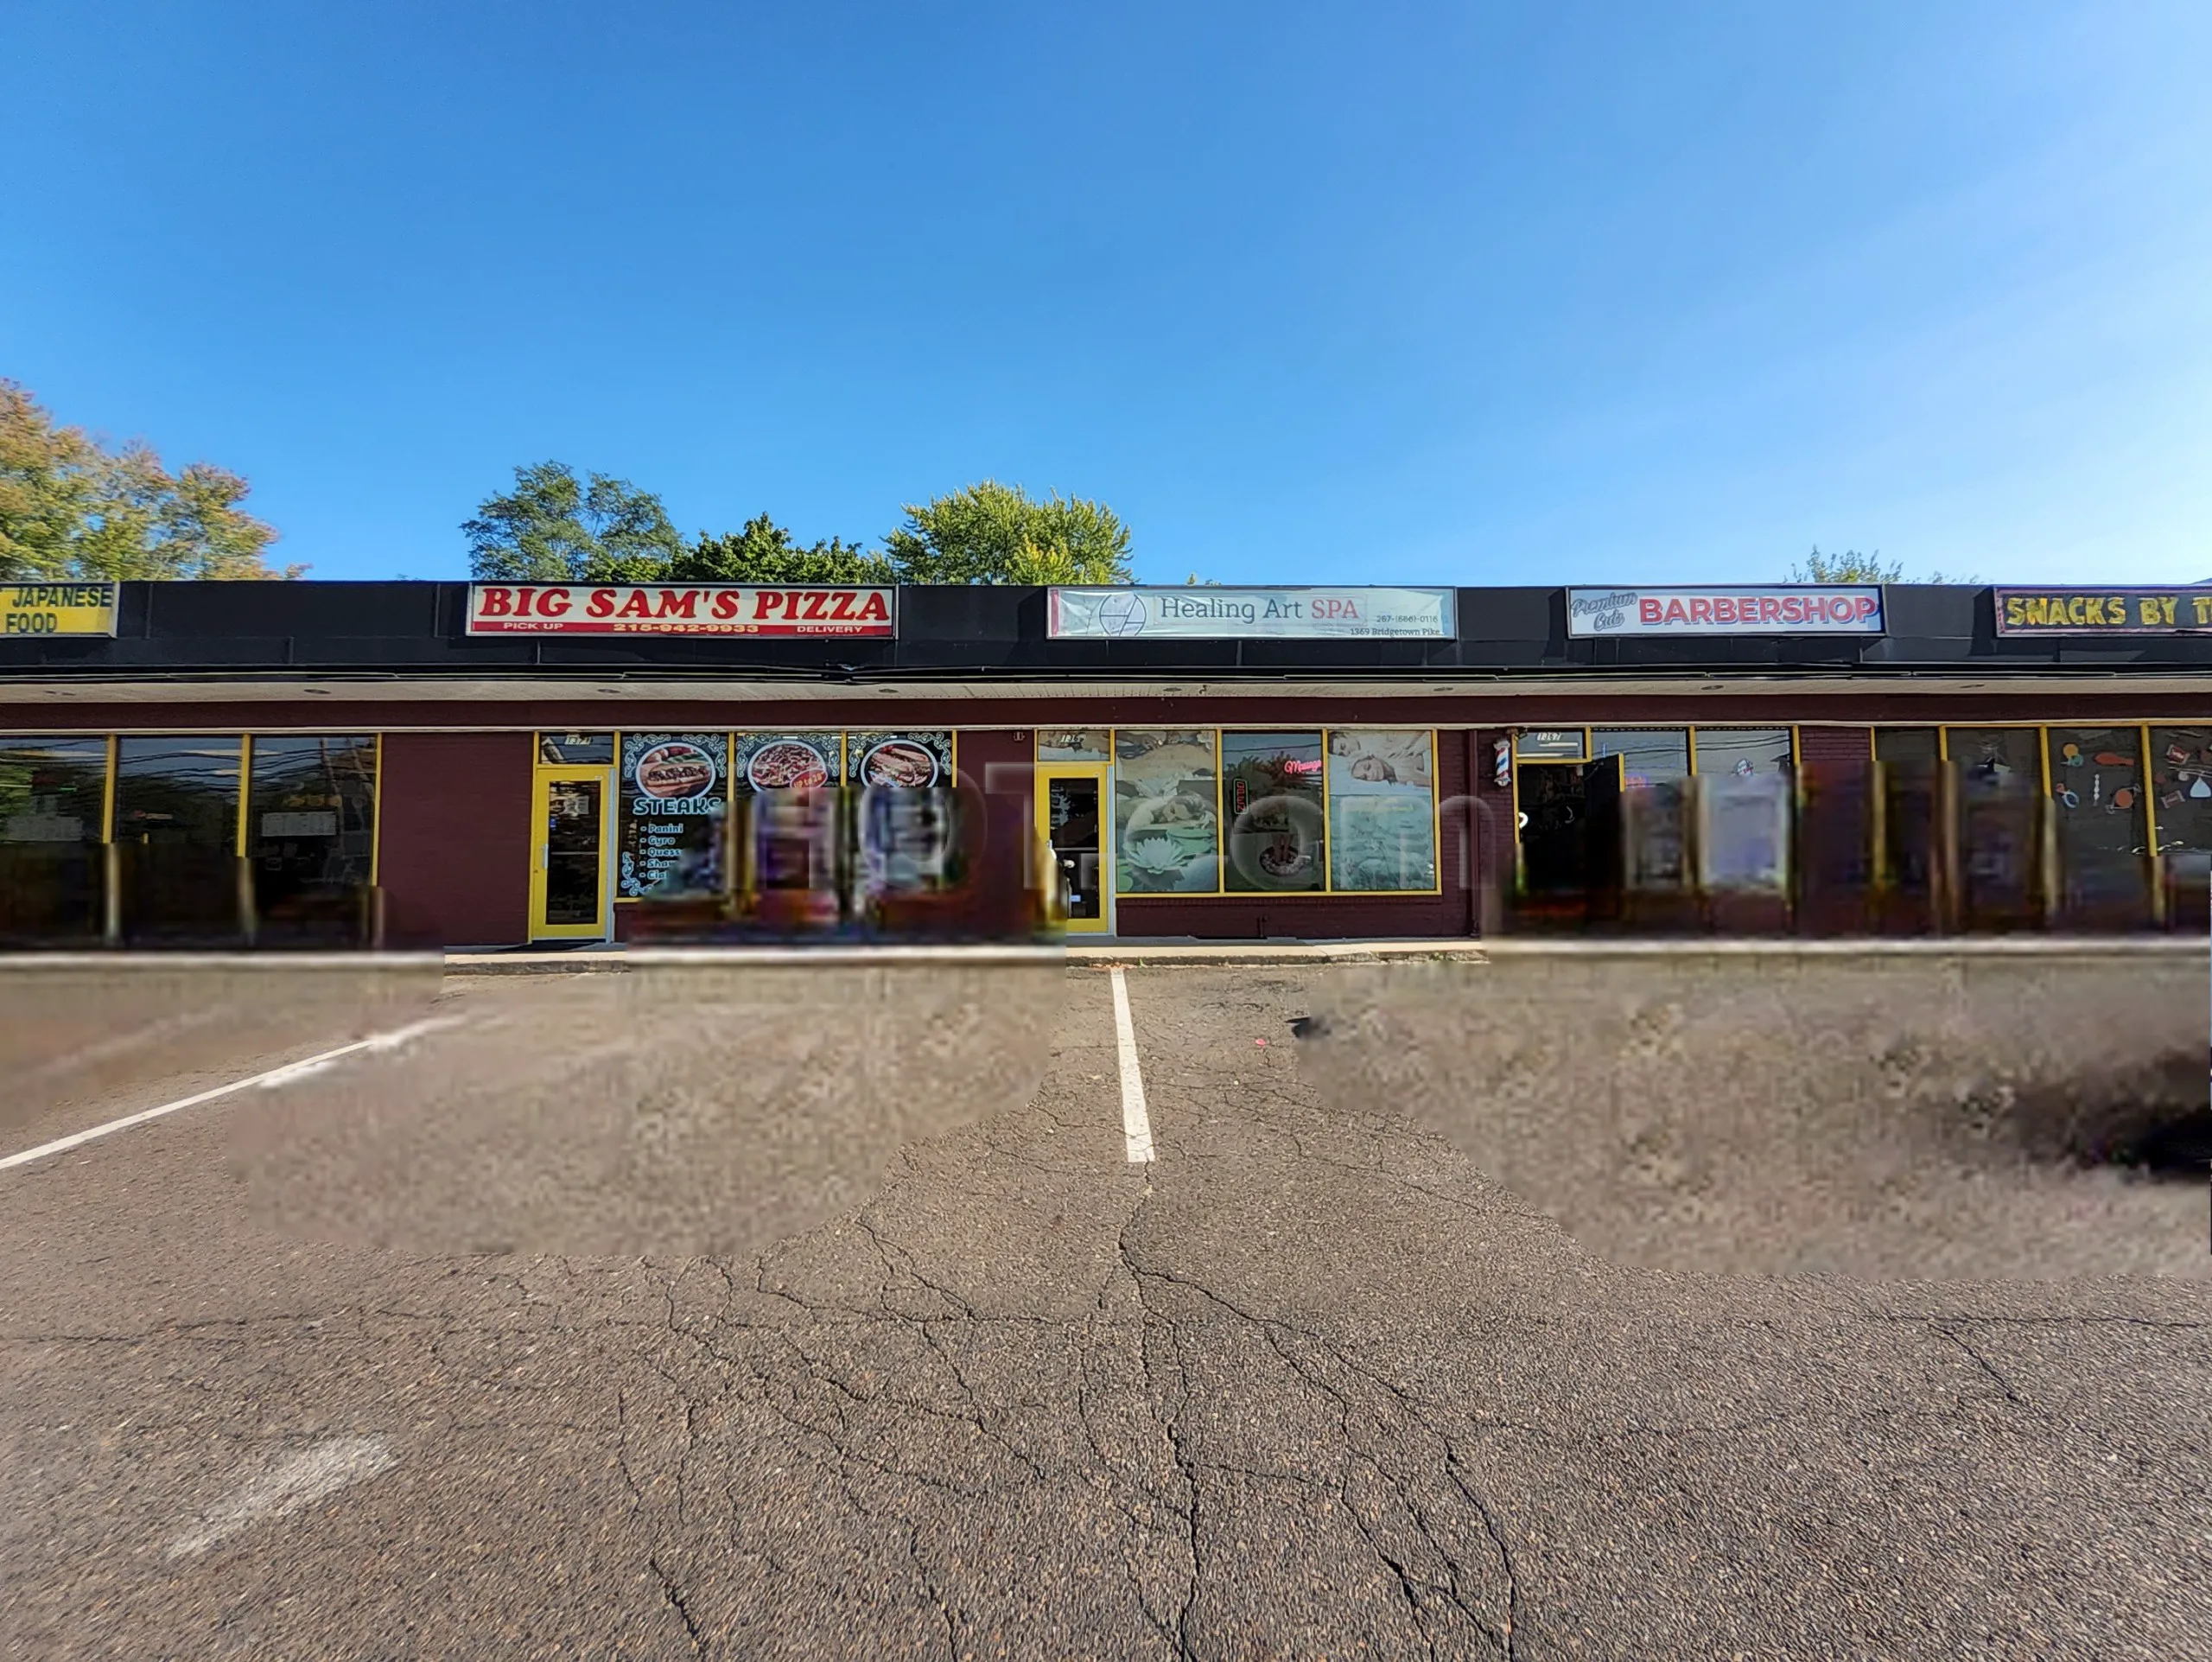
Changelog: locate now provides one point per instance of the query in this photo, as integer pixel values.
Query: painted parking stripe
(1136, 1126)
(268, 1079)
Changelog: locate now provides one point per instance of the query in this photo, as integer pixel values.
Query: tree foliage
(555, 527)
(1853, 567)
(765, 553)
(71, 508)
(999, 533)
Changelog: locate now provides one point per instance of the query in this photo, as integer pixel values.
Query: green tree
(765, 553)
(554, 528)
(1853, 567)
(998, 533)
(70, 508)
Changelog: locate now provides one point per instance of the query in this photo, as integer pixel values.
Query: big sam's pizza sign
(678, 608)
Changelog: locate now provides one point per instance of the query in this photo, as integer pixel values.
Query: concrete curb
(1131, 953)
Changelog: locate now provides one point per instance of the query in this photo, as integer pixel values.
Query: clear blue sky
(1479, 293)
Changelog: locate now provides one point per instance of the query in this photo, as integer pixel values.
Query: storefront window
(1999, 771)
(2180, 787)
(913, 762)
(2096, 788)
(1271, 788)
(908, 811)
(1382, 810)
(53, 804)
(310, 827)
(674, 800)
(1649, 755)
(176, 818)
(788, 761)
(1165, 819)
(1743, 751)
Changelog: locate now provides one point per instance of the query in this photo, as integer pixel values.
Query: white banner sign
(1210, 614)
(1783, 608)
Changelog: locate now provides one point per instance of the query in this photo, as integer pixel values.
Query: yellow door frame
(541, 807)
(1099, 775)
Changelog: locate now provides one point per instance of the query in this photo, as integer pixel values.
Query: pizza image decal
(899, 763)
(674, 770)
(788, 765)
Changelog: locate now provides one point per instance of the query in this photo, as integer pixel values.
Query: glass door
(571, 844)
(1070, 798)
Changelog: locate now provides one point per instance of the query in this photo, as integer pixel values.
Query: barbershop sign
(678, 608)
(1212, 614)
(2104, 611)
(1785, 608)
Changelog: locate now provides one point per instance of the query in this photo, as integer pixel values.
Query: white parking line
(299, 1479)
(269, 1080)
(1136, 1128)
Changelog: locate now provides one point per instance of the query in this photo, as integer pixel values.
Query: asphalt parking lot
(1303, 1385)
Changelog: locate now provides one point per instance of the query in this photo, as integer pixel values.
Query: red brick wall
(455, 851)
(1833, 744)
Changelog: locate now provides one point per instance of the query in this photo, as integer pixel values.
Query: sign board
(1777, 608)
(1212, 614)
(2104, 611)
(52, 608)
(678, 608)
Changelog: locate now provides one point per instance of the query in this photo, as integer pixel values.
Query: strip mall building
(495, 766)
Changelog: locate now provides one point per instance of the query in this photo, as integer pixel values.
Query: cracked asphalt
(1308, 1385)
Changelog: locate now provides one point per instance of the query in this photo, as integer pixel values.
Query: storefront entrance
(1070, 798)
(572, 811)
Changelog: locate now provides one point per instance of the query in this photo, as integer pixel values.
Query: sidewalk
(598, 957)
(585, 960)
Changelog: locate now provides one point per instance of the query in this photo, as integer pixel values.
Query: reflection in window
(1382, 809)
(1166, 824)
(1271, 796)
(176, 821)
(1649, 755)
(52, 804)
(1743, 750)
(310, 825)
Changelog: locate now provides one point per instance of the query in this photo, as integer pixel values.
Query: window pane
(2096, 787)
(2181, 784)
(674, 798)
(1382, 809)
(1649, 755)
(1743, 750)
(914, 762)
(908, 811)
(1907, 744)
(791, 780)
(309, 826)
(1165, 826)
(53, 795)
(177, 807)
(577, 749)
(1997, 755)
(1271, 789)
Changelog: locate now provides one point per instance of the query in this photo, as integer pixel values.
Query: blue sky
(1520, 293)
